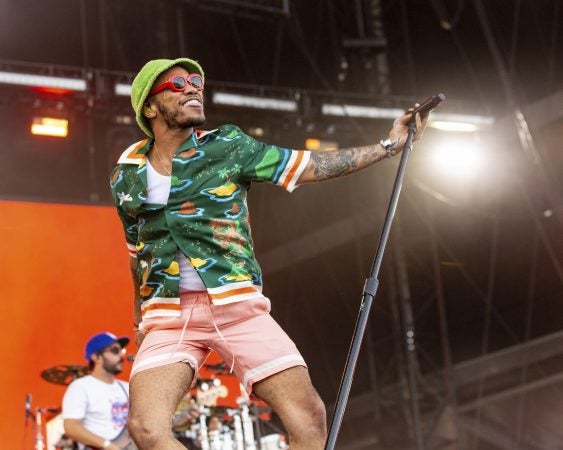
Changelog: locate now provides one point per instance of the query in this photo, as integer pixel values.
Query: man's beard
(171, 119)
(114, 369)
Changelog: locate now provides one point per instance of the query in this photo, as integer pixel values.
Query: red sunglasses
(177, 83)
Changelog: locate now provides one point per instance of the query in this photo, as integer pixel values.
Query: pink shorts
(242, 333)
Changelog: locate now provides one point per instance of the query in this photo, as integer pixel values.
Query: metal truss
(266, 6)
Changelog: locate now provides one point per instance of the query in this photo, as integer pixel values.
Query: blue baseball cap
(102, 340)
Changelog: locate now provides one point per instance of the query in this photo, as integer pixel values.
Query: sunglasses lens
(178, 83)
(196, 81)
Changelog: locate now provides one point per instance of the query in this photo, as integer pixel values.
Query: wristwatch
(389, 146)
(106, 444)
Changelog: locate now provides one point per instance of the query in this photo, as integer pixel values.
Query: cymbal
(64, 374)
(50, 413)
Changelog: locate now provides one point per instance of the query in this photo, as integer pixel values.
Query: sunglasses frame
(113, 350)
(168, 84)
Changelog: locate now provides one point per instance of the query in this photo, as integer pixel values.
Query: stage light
(312, 144)
(459, 122)
(48, 126)
(43, 81)
(453, 126)
(441, 121)
(317, 144)
(223, 98)
(459, 158)
(368, 112)
(122, 89)
(256, 131)
(123, 119)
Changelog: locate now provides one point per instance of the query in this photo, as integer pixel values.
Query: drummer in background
(185, 417)
(95, 407)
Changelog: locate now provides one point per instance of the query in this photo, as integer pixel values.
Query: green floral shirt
(206, 216)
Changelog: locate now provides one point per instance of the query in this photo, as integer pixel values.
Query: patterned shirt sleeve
(128, 222)
(270, 163)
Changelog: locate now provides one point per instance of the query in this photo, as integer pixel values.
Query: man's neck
(103, 375)
(169, 141)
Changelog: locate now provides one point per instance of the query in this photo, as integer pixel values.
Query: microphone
(27, 407)
(429, 104)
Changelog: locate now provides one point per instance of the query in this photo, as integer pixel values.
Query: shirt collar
(136, 153)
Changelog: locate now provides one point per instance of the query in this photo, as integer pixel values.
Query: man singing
(181, 196)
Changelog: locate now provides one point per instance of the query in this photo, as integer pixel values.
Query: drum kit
(199, 424)
(240, 426)
(224, 428)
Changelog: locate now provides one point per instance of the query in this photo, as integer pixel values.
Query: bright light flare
(459, 158)
(452, 126)
(47, 126)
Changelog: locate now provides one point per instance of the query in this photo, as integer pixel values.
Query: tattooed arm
(325, 165)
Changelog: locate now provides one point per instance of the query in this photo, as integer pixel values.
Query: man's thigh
(155, 393)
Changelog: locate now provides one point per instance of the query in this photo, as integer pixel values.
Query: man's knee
(310, 420)
(317, 414)
(145, 433)
(308, 430)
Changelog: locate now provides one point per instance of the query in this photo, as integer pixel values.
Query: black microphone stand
(370, 289)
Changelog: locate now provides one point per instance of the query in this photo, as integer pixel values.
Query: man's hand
(401, 127)
(186, 417)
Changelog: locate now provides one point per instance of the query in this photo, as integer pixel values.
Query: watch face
(388, 144)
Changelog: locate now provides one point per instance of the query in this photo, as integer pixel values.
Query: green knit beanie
(142, 84)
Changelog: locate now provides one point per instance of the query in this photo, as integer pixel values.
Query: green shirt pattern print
(206, 216)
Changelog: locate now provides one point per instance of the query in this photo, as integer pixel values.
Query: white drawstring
(183, 332)
(223, 339)
(189, 312)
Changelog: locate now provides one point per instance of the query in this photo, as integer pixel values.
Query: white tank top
(158, 188)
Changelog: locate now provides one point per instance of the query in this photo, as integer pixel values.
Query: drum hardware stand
(215, 440)
(239, 438)
(247, 427)
(39, 439)
(371, 283)
(37, 423)
(203, 428)
(257, 427)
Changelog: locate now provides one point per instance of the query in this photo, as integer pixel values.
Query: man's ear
(94, 358)
(148, 111)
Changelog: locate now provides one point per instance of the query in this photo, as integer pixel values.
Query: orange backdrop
(64, 277)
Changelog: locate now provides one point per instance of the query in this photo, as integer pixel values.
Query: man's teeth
(193, 102)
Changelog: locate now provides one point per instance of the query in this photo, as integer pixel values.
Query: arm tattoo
(336, 163)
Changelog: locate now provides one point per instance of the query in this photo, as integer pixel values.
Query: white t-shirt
(158, 190)
(102, 407)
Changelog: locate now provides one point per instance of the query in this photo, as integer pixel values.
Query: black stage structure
(470, 303)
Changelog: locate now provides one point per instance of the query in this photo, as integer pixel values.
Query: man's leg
(155, 394)
(294, 399)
